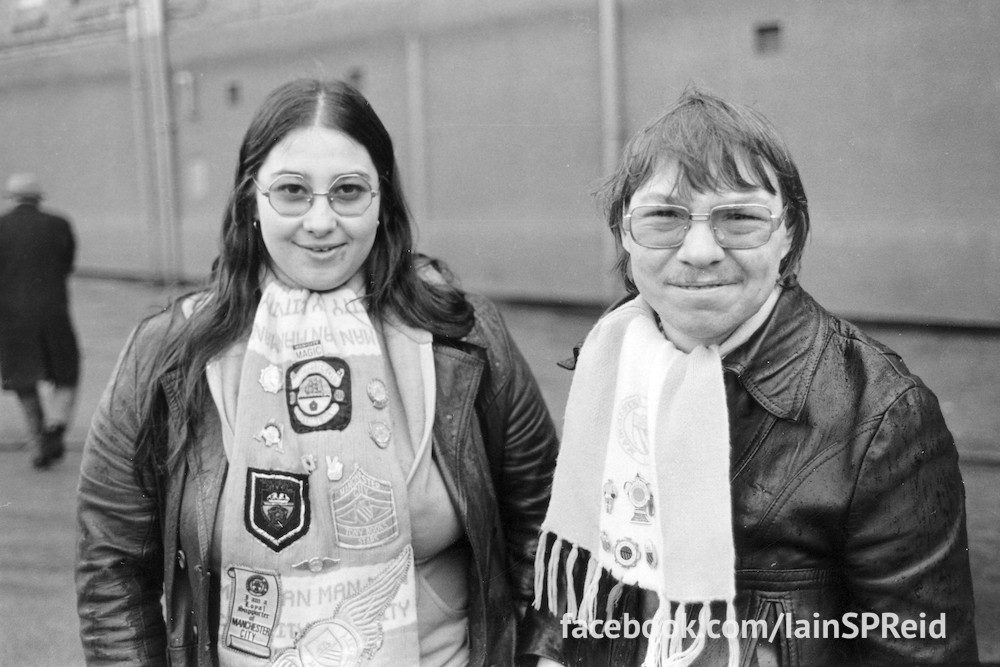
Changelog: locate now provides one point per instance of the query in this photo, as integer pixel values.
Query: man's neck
(737, 337)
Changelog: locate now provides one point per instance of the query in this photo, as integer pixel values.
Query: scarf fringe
(571, 606)
(553, 573)
(591, 586)
(614, 595)
(547, 568)
(540, 571)
(734, 641)
(665, 644)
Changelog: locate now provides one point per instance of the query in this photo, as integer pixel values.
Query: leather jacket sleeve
(514, 414)
(119, 568)
(906, 552)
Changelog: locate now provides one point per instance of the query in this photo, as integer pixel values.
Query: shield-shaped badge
(276, 506)
(319, 395)
(364, 511)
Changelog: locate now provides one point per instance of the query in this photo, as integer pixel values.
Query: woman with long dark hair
(332, 453)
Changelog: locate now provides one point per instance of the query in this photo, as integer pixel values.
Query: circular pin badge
(627, 552)
(380, 432)
(270, 379)
(378, 394)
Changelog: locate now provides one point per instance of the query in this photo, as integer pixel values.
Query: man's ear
(786, 243)
(625, 238)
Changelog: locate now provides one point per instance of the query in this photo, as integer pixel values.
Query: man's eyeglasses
(737, 226)
(349, 195)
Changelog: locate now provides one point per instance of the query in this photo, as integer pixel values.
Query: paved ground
(38, 624)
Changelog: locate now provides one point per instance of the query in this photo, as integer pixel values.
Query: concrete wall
(890, 107)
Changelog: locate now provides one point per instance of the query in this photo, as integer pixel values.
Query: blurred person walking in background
(37, 341)
(333, 452)
(733, 452)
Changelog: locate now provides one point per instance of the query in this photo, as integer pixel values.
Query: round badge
(380, 433)
(315, 395)
(257, 585)
(270, 379)
(627, 552)
(378, 394)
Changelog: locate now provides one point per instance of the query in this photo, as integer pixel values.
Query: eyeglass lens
(746, 226)
(348, 195)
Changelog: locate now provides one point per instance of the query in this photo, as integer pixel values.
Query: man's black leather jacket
(847, 499)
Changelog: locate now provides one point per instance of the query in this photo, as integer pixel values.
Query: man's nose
(700, 247)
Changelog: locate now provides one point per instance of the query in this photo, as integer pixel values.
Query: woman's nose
(320, 219)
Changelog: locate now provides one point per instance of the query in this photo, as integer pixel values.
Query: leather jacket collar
(777, 364)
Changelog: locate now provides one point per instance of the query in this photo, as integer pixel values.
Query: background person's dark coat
(37, 342)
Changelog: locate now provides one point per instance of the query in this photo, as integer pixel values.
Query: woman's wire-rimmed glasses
(290, 194)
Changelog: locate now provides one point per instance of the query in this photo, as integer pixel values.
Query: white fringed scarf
(656, 512)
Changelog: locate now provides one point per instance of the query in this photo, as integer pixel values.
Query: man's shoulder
(862, 360)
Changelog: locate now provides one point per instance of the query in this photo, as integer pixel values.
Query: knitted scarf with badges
(655, 510)
(317, 561)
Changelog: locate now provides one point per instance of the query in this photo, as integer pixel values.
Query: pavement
(38, 622)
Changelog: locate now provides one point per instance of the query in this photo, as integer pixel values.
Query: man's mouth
(700, 285)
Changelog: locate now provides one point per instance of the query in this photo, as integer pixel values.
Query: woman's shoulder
(153, 330)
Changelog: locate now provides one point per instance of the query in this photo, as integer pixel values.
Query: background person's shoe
(52, 447)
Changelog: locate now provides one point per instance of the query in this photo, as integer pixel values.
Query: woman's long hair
(226, 310)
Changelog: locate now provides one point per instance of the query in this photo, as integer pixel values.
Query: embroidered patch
(253, 610)
(319, 395)
(641, 497)
(364, 511)
(276, 508)
(633, 436)
(353, 634)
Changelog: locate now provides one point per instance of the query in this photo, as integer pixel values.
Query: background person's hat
(23, 185)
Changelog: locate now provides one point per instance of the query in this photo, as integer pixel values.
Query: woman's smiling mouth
(321, 249)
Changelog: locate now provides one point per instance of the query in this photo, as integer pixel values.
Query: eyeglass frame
(776, 221)
(313, 195)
